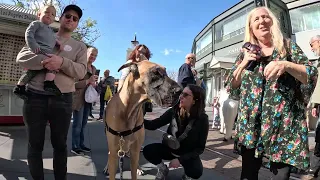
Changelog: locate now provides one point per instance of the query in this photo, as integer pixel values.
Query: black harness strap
(123, 133)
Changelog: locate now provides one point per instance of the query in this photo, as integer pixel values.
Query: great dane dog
(124, 114)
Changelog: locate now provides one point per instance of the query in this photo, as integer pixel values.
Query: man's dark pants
(37, 111)
(103, 103)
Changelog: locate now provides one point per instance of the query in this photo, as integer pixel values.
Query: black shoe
(78, 152)
(85, 149)
(50, 86)
(313, 172)
(20, 91)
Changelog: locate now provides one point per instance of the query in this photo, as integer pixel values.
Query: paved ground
(13, 165)
(218, 159)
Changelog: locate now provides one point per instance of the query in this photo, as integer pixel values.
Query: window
(204, 43)
(305, 18)
(232, 26)
(282, 17)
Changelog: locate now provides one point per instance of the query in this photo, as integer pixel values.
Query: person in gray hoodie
(102, 87)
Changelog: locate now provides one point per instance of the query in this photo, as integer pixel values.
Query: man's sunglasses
(190, 58)
(74, 18)
(311, 44)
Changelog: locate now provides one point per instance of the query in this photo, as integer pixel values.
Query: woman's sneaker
(85, 149)
(162, 173)
(78, 152)
(185, 177)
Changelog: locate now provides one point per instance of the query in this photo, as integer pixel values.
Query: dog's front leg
(135, 154)
(134, 159)
(112, 165)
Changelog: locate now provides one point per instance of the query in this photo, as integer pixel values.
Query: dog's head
(153, 80)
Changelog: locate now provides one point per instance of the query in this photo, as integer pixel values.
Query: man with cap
(315, 105)
(41, 106)
(185, 75)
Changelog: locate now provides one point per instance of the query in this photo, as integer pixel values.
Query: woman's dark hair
(199, 98)
(199, 102)
(133, 54)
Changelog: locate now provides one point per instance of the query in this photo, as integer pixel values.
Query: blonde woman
(80, 107)
(271, 118)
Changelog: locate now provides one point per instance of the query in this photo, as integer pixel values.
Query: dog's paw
(140, 172)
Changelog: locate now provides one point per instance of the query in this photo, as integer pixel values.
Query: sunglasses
(252, 47)
(183, 94)
(311, 44)
(69, 16)
(190, 58)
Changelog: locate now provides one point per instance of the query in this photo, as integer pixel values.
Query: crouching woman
(186, 136)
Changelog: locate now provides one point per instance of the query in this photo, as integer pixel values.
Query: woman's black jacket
(194, 144)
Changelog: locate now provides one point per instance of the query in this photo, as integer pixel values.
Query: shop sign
(18, 16)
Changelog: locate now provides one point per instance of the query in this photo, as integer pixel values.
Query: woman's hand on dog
(175, 163)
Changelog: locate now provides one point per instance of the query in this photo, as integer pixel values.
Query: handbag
(91, 95)
(173, 142)
(148, 106)
(108, 94)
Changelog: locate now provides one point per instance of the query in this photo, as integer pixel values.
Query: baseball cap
(75, 8)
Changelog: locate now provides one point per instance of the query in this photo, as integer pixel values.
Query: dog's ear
(127, 65)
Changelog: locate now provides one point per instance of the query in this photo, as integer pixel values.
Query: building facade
(134, 43)
(13, 23)
(220, 41)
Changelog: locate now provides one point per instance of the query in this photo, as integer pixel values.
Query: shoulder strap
(186, 131)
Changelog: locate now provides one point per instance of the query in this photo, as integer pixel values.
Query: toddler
(40, 39)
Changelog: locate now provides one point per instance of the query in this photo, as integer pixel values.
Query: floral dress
(271, 115)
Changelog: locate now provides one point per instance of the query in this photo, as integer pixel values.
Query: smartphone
(252, 48)
(97, 72)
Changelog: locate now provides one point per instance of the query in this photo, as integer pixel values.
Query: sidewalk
(13, 155)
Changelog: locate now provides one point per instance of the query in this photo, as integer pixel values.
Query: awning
(222, 62)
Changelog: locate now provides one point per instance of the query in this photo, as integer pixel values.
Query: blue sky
(166, 27)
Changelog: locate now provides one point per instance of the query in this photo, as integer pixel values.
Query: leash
(121, 154)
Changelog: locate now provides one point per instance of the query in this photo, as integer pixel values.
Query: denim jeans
(37, 110)
(80, 119)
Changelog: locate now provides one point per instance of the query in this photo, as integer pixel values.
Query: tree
(173, 74)
(86, 32)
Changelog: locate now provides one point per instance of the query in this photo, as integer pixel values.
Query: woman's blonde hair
(277, 37)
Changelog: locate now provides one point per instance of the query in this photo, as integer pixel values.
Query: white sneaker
(162, 173)
(185, 177)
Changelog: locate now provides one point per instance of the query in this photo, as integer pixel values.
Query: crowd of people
(273, 86)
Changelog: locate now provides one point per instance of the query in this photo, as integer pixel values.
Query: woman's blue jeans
(80, 119)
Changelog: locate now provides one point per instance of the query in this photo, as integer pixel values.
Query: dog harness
(123, 133)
